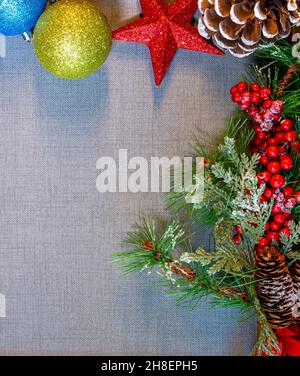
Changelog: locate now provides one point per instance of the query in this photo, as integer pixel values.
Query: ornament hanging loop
(27, 36)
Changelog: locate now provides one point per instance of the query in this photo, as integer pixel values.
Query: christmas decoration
(296, 277)
(273, 142)
(19, 16)
(289, 340)
(72, 38)
(251, 198)
(164, 28)
(242, 26)
(275, 287)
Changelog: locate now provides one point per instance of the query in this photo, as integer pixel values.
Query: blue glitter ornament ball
(19, 16)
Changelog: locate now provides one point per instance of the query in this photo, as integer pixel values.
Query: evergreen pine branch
(191, 294)
(148, 247)
(151, 250)
(204, 145)
(238, 128)
(279, 53)
(259, 74)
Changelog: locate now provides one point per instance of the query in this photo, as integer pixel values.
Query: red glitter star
(164, 28)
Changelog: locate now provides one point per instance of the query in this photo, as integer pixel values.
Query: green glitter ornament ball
(72, 38)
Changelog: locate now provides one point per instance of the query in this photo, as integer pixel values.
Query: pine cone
(241, 26)
(275, 288)
(295, 272)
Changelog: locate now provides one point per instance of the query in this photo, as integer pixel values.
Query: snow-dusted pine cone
(295, 272)
(275, 288)
(241, 26)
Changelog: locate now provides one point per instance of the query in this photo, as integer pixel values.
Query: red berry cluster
(274, 139)
(256, 101)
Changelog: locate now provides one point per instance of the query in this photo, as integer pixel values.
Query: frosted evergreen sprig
(237, 171)
(294, 239)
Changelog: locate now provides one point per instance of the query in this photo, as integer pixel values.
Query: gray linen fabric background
(57, 231)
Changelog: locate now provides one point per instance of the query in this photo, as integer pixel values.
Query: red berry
(233, 90)
(280, 137)
(254, 87)
(258, 118)
(273, 141)
(281, 150)
(277, 107)
(279, 196)
(273, 235)
(253, 111)
(274, 226)
(263, 177)
(287, 214)
(267, 226)
(267, 104)
(279, 218)
(256, 142)
(256, 127)
(255, 97)
(261, 135)
(247, 95)
(236, 239)
(286, 231)
(276, 209)
(264, 242)
(273, 167)
(286, 125)
(236, 98)
(239, 230)
(262, 199)
(277, 181)
(290, 202)
(295, 146)
(288, 191)
(297, 197)
(264, 145)
(276, 117)
(264, 160)
(288, 222)
(286, 162)
(269, 193)
(265, 93)
(242, 86)
(245, 105)
(291, 136)
(272, 151)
